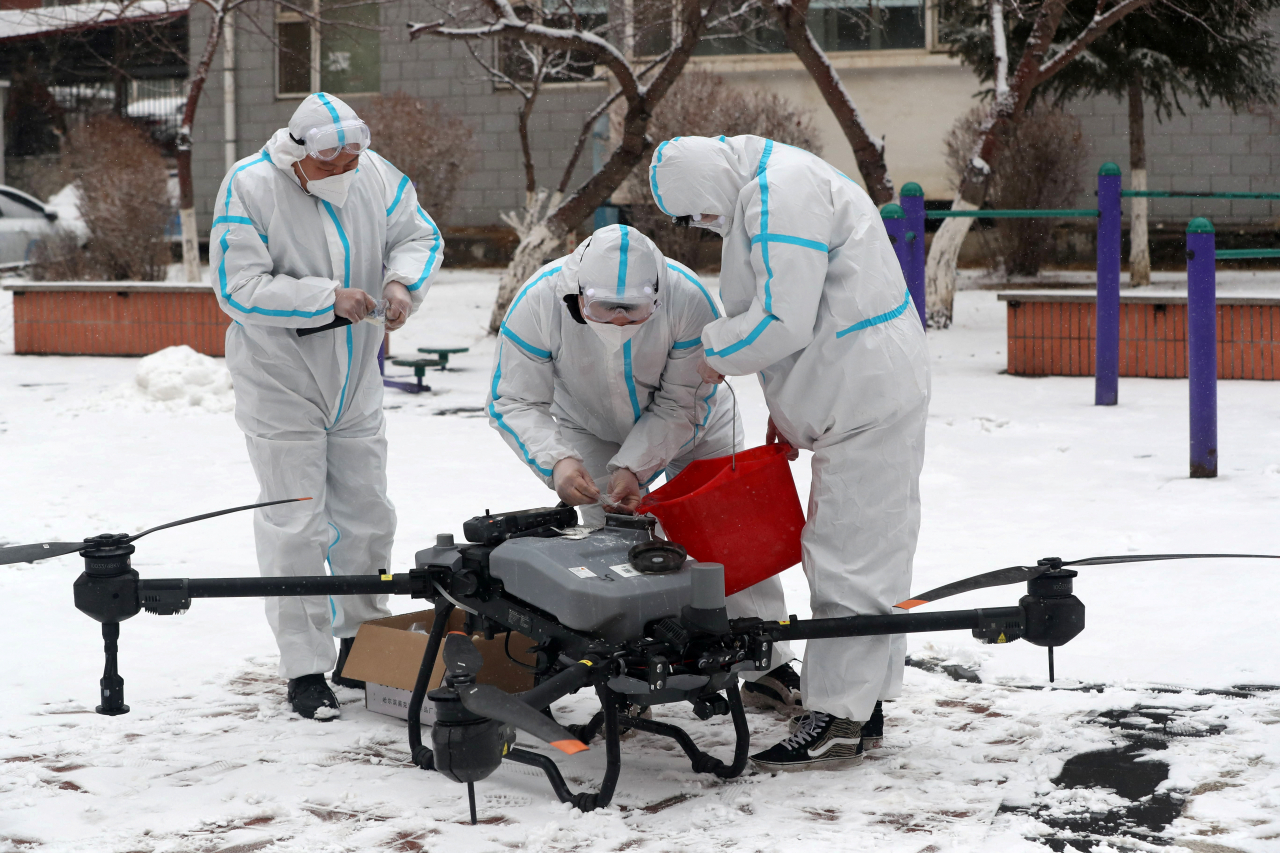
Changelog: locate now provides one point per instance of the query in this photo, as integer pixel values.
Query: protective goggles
(326, 143)
(603, 307)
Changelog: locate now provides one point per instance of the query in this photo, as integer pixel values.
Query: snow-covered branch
(1001, 49)
(1102, 21)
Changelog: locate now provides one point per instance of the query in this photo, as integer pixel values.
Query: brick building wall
(426, 68)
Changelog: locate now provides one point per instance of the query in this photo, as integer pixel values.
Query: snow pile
(182, 378)
(66, 203)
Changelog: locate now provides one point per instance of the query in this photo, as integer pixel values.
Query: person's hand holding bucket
(773, 436)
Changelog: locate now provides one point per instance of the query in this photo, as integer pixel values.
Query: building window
(837, 25)
(340, 56)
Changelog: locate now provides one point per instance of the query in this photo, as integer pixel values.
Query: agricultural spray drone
(619, 611)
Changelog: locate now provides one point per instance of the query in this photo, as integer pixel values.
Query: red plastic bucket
(746, 516)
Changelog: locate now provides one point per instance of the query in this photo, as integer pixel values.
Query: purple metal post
(896, 225)
(1202, 347)
(912, 198)
(1106, 326)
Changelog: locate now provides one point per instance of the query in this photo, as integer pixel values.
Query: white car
(24, 221)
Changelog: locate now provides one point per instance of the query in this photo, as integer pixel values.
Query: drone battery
(589, 584)
(491, 529)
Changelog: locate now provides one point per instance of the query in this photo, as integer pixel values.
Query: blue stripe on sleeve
(715, 312)
(502, 424)
(262, 158)
(244, 309)
(879, 318)
(404, 182)
(686, 344)
(431, 258)
(787, 238)
(745, 342)
(524, 345)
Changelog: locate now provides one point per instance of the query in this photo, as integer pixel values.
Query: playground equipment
(905, 224)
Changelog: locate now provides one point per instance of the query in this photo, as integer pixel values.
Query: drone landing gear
(608, 717)
(111, 684)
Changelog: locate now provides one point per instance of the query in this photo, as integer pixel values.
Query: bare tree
(1046, 53)
(868, 150)
(639, 85)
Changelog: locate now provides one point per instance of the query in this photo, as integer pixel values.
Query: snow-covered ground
(210, 759)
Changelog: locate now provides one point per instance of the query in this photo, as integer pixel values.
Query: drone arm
(559, 685)
(166, 596)
(985, 623)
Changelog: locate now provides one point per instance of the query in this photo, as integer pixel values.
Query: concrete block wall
(1206, 150)
(427, 68)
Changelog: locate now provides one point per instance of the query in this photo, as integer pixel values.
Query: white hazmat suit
(560, 391)
(311, 407)
(818, 307)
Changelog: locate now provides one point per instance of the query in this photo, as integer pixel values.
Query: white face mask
(332, 189)
(613, 337)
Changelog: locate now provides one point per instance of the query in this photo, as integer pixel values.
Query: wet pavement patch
(1131, 772)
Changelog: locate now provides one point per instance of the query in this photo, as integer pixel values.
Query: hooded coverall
(559, 392)
(311, 407)
(816, 304)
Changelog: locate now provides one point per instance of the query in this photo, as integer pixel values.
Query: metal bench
(442, 354)
(419, 366)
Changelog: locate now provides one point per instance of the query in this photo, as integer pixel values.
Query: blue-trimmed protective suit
(311, 408)
(817, 306)
(558, 392)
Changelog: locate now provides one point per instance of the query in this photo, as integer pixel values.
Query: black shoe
(820, 742)
(344, 649)
(873, 729)
(311, 697)
(778, 689)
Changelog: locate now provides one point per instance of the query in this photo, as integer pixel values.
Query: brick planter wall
(52, 318)
(1051, 334)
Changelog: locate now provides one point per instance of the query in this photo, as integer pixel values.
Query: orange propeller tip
(304, 499)
(570, 747)
(910, 603)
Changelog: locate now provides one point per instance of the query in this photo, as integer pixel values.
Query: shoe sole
(751, 699)
(799, 766)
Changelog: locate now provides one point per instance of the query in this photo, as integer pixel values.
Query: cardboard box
(387, 655)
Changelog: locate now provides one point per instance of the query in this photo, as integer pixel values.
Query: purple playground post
(1202, 347)
(896, 224)
(1106, 325)
(912, 198)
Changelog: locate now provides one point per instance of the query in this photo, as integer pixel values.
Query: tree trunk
(541, 242)
(867, 151)
(1139, 245)
(186, 187)
(940, 267)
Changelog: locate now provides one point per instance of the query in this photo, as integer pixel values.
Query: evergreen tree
(1175, 51)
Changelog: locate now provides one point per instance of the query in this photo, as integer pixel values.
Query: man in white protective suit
(309, 231)
(818, 307)
(596, 388)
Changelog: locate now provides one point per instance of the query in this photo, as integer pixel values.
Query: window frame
(288, 16)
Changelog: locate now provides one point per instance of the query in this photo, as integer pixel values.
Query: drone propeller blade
(1017, 574)
(497, 704)
(1147, 558)
(38, 551)
(138, 536)
(461, 657)
(1000, 577)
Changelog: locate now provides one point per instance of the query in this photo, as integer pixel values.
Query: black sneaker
(872, 729)
(778, 690)
(820, 742)
(311, 697)
(344, 649)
